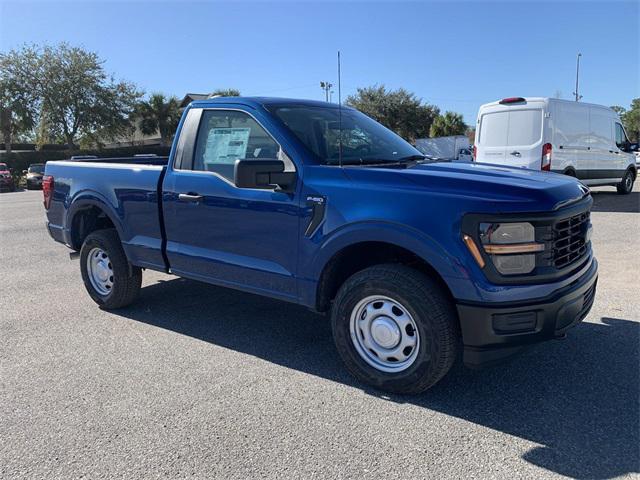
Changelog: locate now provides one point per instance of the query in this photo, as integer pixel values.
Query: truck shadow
(578, 398)
(604, 201)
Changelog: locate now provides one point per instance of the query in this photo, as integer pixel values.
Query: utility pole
(326, 86)
(576, 93)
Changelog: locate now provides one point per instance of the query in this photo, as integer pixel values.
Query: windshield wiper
(401, 162)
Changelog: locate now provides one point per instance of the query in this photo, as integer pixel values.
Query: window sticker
(226, 145)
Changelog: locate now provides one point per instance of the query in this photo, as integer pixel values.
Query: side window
(225, 136)
(621, 138)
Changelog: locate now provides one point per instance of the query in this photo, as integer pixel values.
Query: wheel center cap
(385, 332)
(102, 271)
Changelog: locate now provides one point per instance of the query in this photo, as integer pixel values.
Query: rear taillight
(546, 157)
(47, 190)
(474, 152)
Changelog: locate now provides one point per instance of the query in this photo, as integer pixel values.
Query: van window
(621, 137)
(493, 129)
(511, 128)
(525, 127)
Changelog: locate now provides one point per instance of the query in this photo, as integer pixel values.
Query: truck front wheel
(108, 277)
(395, 328)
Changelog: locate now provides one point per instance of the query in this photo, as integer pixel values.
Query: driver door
(239, 237)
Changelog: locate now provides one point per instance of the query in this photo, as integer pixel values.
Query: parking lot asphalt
(203, 382)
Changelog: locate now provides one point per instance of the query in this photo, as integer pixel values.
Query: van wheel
(626, 185)
(395, 329)
(108, 277)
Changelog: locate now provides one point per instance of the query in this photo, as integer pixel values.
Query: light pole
(576, 93)
(326, 86)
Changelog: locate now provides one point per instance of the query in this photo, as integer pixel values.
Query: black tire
(570, 173)
(432, 311)
(127, 279)
(626, 185)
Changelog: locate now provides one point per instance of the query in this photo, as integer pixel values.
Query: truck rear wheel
(108, 277)
(395, 328)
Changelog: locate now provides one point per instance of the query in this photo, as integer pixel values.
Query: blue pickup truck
(416, 261)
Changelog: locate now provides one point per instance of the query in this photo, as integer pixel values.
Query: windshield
(363, 139)
(36, 169)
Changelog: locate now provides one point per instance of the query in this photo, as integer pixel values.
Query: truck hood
(512, 188)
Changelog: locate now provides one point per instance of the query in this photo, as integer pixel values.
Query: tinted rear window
(511, 128)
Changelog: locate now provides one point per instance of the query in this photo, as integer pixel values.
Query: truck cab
(415, 261)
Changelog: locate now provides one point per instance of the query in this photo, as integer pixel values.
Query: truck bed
(127, 189)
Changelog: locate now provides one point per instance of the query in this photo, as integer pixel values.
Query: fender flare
(417, 242)
(86, 199)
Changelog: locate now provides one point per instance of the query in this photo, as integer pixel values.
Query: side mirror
(264, 173)
(634, 147)
(24, 172)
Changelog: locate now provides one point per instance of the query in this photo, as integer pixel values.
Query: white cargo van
(583, 140)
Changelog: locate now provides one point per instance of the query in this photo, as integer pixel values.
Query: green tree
(398, 110)
(79, 97)
(448, 124)
(225, 92)
(618, 109)
(159, 114)
(18, 100)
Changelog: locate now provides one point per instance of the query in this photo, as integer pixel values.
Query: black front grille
(569, 239)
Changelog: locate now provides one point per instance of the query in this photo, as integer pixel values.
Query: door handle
(190, 197)
(515, 154)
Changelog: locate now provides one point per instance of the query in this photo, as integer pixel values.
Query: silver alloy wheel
(100, 271)
(384, 334)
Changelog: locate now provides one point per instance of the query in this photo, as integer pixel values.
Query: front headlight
(511, 246)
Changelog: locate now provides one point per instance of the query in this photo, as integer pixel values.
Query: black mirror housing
(263, 173)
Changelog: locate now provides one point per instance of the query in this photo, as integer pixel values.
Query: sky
(456, 55)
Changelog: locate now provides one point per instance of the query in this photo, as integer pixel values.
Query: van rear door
(511, 135)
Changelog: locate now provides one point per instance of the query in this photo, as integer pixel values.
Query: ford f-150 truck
(303, 201)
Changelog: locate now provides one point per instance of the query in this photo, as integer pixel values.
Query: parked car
(303, 202)
(582, 140)
(34, 176)
(6, 179)
(465, 155)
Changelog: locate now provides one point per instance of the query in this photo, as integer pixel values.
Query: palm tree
(159, 114)
(448, 124)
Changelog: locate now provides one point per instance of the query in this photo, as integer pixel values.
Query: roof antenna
(339, 113)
